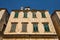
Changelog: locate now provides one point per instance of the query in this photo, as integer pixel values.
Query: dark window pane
(35, 27)
(25, 15)
(34, 15)
(16, 15)
(13, 27)
(46, 27)
(24, 27)
(43, 15)
(0, 27)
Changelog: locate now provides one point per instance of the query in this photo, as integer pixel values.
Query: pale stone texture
(29, 19)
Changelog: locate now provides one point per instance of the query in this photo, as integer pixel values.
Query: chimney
(27, 8)
(22, 8)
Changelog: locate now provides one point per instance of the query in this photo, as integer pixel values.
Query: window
(13, 27)
(34, 15)
(43, 15)
(4, 26)
(57, 19)
(46, 27)
(24, 27)
(35, 27)
(16, 15)
(25, 15)
(0, 28)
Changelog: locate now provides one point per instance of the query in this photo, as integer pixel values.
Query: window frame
(43, 15)
(36, 27)
(16, 15)
(34, 15)
(24, 26)
(25, 15)
(45, 27)
(15, 23)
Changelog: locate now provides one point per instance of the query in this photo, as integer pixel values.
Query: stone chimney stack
(27, 8)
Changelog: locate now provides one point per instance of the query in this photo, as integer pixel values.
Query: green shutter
(35, 27)
(16, 15)
(13, 27)
(43, 15)
(34, 15)
(25, 15)
(46, 27)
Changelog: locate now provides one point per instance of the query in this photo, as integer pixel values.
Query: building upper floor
(29, 15)
(4, 16)
(30, 22)
(57, 13)
(56, 17)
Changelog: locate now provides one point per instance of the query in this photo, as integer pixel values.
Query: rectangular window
(0, 28)
(35, 27)
(13, 27)
(34, 15)
(43, 15)
(46, 27)
(24, 27)
(16, 15)
(25, 15)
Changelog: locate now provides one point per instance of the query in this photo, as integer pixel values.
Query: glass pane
(16, 15)
(24, 27)
(0, 28)
(25, 15)
(34, 15)
(43, 15)
(46, 27)
(13, 27)
(35, 27)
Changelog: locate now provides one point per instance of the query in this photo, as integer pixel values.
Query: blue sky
(49, 5)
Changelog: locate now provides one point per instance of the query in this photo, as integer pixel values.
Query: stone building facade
(56, 21)
(4, 16)
(30, 25)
